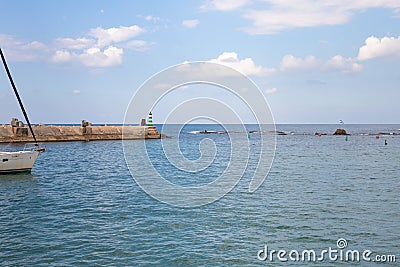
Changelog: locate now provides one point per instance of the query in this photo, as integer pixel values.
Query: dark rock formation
(340, 132)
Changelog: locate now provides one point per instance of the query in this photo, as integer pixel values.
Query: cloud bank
(386, 47)
(223, 5)
(274, 16)
(245, 66)
(99, 48)
(337, 63)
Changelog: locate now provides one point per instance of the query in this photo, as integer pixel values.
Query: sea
(333, 196)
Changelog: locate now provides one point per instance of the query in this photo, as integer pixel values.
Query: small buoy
(248, 135)
(347, 138)
(377, 136)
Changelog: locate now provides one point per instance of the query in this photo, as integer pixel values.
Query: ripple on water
(81, 207)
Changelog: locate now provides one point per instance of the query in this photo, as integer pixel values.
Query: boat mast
(17, 95)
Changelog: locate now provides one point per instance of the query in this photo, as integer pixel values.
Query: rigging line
(17, 95)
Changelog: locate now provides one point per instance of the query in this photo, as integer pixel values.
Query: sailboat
(19, 161)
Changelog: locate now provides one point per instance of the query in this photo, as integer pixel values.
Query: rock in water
(340, 132)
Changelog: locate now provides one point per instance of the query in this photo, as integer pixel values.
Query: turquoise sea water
(81, 207)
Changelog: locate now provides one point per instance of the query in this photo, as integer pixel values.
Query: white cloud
(61, 56)
(17, 50)
(279, 15)
(99, 48)
(138, 45)
(386, 47)
(152, 18)
(310, 63)
(297, 15)
(102, 47)
(94, 57)
(289, 62)
(375, 48)
(76, 44)
(271, 91)
(245, 66)
(224, 5)
(345, 65)
(76, 92)
(214, 68)
(192, 23)
(115, 35)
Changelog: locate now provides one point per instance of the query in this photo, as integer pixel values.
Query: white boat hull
(19, 161)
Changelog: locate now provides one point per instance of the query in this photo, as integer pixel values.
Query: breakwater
(54, 133)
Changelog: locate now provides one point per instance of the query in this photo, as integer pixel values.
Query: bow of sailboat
(19, 161)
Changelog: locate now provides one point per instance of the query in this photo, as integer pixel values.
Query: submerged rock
(340, 132)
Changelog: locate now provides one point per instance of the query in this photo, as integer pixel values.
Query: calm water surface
(81, 207)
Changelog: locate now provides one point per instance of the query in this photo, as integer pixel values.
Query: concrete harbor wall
(50, 133)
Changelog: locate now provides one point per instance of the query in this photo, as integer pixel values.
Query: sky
(314, 61)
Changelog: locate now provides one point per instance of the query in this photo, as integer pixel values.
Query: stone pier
(17, 132)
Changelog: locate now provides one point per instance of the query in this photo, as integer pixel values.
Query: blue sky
(315, 61)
